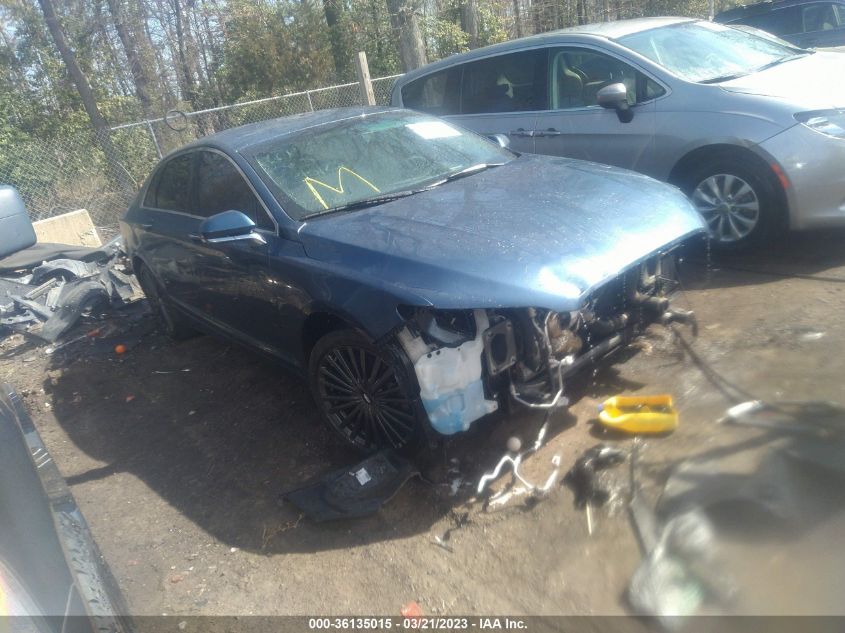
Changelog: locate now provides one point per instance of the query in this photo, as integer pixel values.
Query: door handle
(521, 132)
(548, 132)
(145, 225)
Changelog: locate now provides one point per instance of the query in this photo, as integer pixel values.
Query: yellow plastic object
(639, 414)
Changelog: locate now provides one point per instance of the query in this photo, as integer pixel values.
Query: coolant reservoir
(450, 383)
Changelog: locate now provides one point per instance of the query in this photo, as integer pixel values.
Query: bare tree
(185, 67)
(155, 56)
(340, 52)
(581, 11)
(469, 21)
(15, 70)
(113, 66)
(131, 48)
(214, 56)
(405, 22)
(101, 127)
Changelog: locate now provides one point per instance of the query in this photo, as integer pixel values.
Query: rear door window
(220, 187)
(438, 93)
(170, 189)
(506, 83)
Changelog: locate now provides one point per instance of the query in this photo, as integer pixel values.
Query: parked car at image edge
(805, 23)
(420, 276)
(750, 127)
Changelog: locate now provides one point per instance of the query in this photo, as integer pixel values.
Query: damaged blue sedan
(419, 275)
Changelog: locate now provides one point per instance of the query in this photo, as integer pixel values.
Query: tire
(365, 393)
(174, 324)
(737, 199)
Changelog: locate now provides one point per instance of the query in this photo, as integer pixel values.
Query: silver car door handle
(549, 132)
(521, 132)
(145, 225)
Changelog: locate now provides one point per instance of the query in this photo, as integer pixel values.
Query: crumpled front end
(470, 363)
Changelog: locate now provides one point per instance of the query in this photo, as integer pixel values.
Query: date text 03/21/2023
(418, 623)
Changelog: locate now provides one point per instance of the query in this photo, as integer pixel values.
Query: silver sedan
(749, 126)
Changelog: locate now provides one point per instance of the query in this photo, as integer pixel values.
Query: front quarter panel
(301, 286)
(703, 115)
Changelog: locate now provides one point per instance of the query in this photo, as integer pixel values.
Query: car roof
(605, 30)
(758, 8)
(619, 28)
(237, 139)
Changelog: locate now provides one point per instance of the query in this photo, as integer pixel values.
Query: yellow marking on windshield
(310, 182)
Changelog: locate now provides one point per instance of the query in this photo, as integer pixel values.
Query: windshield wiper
(721, 78)
(466, 171)
(367, 202)
(779, 60)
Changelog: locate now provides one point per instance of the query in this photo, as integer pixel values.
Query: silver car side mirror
(615, 97)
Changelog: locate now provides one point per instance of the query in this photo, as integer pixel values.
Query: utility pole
(368, 97)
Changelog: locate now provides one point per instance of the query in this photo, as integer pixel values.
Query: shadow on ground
(805, 255)
(219, 434)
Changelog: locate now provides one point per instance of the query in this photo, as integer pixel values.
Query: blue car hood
(538, 231)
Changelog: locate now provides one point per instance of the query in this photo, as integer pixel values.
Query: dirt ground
(177, 454)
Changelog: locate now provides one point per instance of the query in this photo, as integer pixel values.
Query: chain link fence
(103, 174)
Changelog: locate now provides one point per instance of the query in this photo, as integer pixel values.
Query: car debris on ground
(45, 289)
(780, 480)
(355, 491)
(582, 478)
(513, 458)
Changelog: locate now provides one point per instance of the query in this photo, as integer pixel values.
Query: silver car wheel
(729, 206)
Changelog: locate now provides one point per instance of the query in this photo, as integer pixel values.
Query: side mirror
(228, 226)
(501, 140)
(615, 97)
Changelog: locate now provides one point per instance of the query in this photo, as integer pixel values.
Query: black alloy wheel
(363, 392)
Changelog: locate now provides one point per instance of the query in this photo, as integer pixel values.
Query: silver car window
(704, 51)
(577, 74)
(515, 82)
(438, 93)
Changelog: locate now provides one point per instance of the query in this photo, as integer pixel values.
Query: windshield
(704, 52)
(357, 159)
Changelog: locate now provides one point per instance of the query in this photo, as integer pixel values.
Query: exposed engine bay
(468, 363)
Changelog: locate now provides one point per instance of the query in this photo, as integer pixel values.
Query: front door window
(576, 75)
(219, 187)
